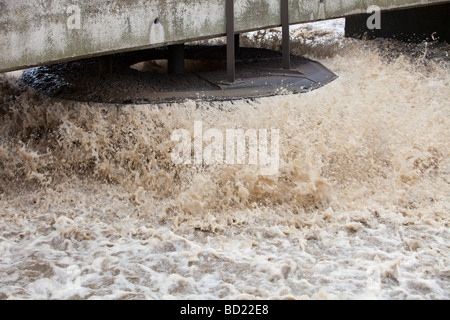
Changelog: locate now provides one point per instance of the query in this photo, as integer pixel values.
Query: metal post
(285, 34)
(176, 59)
(237, 46)
(231, 51)
(105, 65)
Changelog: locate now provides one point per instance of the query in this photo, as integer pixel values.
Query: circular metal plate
(141, 77)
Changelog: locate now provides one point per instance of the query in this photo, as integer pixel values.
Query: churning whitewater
(93, 207)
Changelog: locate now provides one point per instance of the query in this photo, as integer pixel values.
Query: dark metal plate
(258, 73)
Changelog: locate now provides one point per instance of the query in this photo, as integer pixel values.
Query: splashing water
(92, 205)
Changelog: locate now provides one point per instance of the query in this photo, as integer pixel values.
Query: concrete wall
(38, 32)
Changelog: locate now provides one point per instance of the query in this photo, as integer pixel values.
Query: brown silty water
(92, 205)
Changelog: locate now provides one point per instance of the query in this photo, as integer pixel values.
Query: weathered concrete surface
(41, 32)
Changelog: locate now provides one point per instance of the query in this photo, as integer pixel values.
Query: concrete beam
(43, 32)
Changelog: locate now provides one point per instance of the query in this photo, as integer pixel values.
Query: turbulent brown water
(92, 206)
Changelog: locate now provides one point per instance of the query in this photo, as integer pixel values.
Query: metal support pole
(176, 59)
(285, 34)
(237, 47)
(105, 65)
(231, 51)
